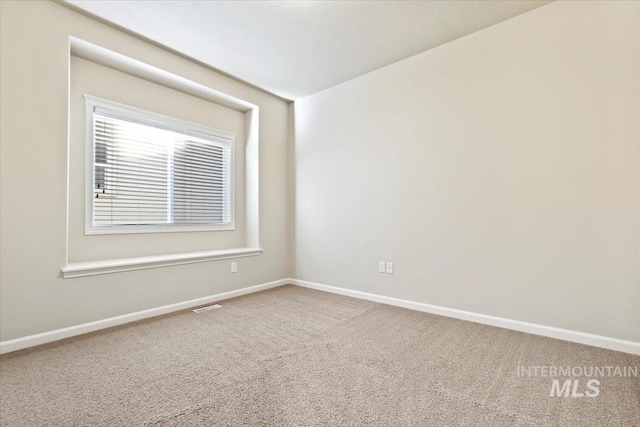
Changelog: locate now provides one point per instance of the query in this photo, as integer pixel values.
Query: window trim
(90, 103)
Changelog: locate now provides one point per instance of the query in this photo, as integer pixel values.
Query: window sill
(92, 268)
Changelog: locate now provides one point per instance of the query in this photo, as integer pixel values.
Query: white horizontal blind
(150, 173)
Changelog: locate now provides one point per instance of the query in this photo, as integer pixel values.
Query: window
(154, 173)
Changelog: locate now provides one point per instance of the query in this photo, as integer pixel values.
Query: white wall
(500, 172)
(34, 79)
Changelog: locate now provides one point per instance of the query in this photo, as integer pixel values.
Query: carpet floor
(291, 356)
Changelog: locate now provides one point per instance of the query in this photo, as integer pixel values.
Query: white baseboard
(58, 334)
(516, 325)
(532, 328)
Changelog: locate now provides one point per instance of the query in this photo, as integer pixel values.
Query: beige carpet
(297, 357)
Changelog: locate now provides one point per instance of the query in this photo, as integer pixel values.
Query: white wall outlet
(234, 267)
(389, 267)
(382, 267)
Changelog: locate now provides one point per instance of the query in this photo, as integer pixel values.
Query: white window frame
(91, 102)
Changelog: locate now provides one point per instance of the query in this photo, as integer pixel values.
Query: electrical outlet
(382, 267)
(234, 267)
(389, 268)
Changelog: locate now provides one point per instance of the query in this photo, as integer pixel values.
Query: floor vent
(207, 308)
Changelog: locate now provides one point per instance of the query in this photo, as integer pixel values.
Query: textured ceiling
(296, 48)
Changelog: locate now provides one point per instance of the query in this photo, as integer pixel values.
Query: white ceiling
(296, 48)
